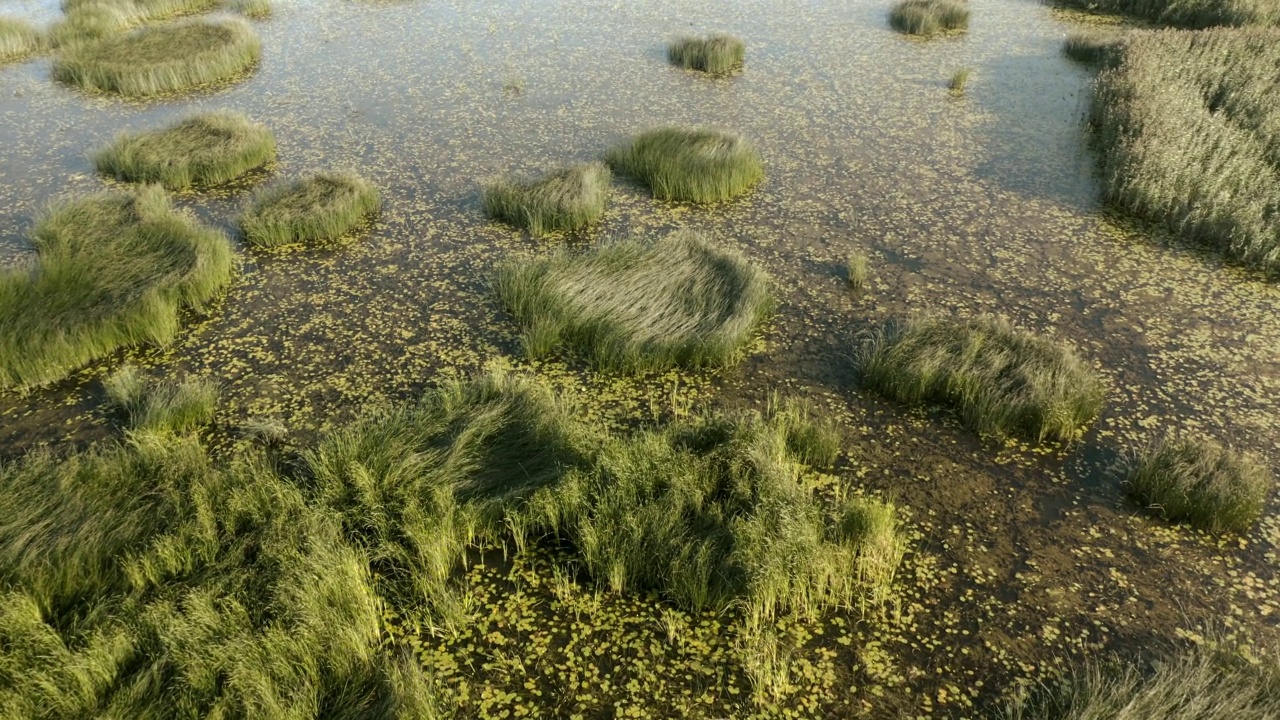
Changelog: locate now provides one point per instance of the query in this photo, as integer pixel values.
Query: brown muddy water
(1023, 561)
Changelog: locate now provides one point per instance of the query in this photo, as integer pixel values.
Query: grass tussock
(857, 270)
(205, 149)
(703, 166)
(1187, 14)
(1198, 481)
(634, 306)
(146, 581)
(1001, 380)
(315, 209)
(157, 59)
(146, 10)
(1212, 681)
(930, 17)
(567, 199)
(114, 270)
(716, 54)
(1090, 46)
(161, 406)
(252, 9)
(959, 80)
(87, 22)
(1188, 127)
(18, 39)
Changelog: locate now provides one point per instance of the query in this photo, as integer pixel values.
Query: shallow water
(979, 203)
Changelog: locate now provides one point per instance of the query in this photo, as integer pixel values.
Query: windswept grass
(714, 53)
(703, 166)
(146, 10)
(114, 270)
(636, 306)
(205, 149)
(1189, 131)
(18, 39)
(567, 199)
(143, 581)
(1200, 482)
(158, 59)
(930, 17)
(161, 406)
(87, 22)
(1001, 380)
(315, 209)
(1091, 46)
(1187, 14)
(1212, 681)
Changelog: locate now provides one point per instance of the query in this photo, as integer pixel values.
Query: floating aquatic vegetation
(114, 269)
(205, 149)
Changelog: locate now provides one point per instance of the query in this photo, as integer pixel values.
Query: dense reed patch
(569, 199)
(157, 59)
(1187, 14)
(1200, 482)
(164, 405)
(930, 17)
(18, 39)
(637, 306)
(700, 165)
(318, 208)
(714, 53)
(114, 270)
(1187, 123)
(1001, 380)
(148, 581)
(1090, 46)
(1211, 681)
(205, 149)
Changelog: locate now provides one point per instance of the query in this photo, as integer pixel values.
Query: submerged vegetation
(161, 406)
(703, 166)
(1188, 126)
(713, 54)
(1198, 481)
(145, 580)
(570, 198)
(1001, 380)
(1215, 680)
(205, 149)
(114, 269)
(18, 39)
(319, 208)
(930, 17)
(157, 59)
(639, 306)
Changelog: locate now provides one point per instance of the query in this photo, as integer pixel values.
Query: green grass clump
(679, 302)
(959, 80)
(1189, 132)
(205, 149)
(114, 270)
(567, 199)
(146, 10)
(703, 166)
(1210, 681)
(315, 209)
(1001, 380)
(1090, 46)
(252, 9)
(18, 39)
(158, 59)
(713, 54)
(164, 406)
(1199, 482)
(857, 271)
(93, 21)
(929, 17)
(144, 581)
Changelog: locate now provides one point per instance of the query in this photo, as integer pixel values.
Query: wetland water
(1022, 560)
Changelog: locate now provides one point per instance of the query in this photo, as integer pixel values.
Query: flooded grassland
(1022, 560)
